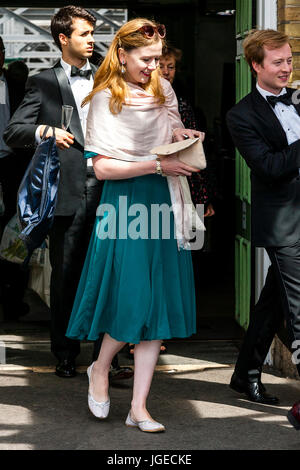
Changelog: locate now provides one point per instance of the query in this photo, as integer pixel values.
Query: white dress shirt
(287, 115)
(4, 115)
(81, 87)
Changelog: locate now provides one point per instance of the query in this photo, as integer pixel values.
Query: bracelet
(158, 167)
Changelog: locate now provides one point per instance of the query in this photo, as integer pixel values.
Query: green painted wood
(244, 22)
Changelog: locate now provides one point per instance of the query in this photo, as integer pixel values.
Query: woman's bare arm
(112, 169)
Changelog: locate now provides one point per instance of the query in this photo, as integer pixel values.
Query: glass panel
(237, 279)
(242, 289)
(238, 17)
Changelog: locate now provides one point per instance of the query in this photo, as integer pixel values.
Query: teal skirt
(135, 285)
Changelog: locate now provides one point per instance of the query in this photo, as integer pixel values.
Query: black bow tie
(285, 99)
(76, 72)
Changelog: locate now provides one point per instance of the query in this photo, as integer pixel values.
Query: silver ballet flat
(99, 409)
(147, 425)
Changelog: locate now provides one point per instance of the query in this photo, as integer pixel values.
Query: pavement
(189, 395)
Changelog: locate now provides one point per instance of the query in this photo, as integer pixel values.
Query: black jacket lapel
(68, 98)
(269, 123)
(94, 69)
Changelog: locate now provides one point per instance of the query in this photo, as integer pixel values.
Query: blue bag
(37, 194)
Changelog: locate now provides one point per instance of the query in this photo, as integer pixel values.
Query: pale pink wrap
(141, 125)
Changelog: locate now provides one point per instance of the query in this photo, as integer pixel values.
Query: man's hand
(181, 133)
(63, 138)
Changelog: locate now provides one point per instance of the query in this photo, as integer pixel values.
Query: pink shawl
(141, 125)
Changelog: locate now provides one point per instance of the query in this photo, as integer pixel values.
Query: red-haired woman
(137, 284)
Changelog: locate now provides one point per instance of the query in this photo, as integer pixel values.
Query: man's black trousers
(279, 302)
(69, 239)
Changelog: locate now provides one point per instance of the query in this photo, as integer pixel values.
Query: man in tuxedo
(265, 127)
(13, 163)
(67, 83)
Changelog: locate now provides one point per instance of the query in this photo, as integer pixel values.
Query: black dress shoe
(294, 415)
(120, 373)
(255, 391)
(66, 368)
(238, 383)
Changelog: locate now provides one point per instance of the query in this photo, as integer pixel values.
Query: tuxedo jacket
(45, 94)
(274, 165)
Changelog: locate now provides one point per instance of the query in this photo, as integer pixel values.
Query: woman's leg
(99, 379)
(145, 358)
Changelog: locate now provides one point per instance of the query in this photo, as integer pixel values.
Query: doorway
(205, 33)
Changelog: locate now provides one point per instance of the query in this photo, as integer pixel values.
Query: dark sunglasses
(148, 30)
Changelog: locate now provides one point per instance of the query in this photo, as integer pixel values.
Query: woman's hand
(181, 133)
(209, 211)
(172, 166)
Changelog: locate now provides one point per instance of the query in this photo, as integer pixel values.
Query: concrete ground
(190, 395)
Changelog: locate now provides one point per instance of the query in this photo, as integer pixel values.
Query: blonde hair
(109, 74)
(258, 39)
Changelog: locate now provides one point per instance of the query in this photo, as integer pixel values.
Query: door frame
(266, 18)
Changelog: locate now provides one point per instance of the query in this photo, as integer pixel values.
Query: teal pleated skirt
(137, 287)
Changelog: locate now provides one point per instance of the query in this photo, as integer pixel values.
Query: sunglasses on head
(148, 30)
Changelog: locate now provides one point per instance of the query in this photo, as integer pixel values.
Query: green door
(244, 17)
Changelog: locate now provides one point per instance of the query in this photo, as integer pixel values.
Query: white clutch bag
(190, 151)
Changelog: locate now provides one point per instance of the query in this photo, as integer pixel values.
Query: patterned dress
(202, 185)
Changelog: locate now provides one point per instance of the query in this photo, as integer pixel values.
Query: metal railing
(26, 34)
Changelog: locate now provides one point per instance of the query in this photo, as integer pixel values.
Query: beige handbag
(190, 151)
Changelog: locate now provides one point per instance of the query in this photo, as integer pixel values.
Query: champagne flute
(66, 115)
